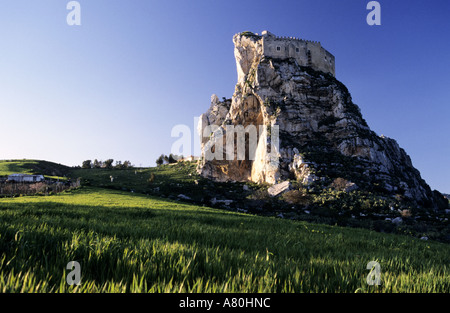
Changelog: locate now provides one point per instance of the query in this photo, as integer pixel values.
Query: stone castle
(305, 52)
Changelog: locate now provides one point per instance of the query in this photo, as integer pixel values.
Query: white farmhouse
(25, 178)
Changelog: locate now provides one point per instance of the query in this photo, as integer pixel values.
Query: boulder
(184, 197)
(350, 187)
(278, 189)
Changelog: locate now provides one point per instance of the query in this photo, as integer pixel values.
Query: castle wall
(307, 53)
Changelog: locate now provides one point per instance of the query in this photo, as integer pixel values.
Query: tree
(108, 163)
(97, 164)
(172, 159)
(86, 164)
(160, 160)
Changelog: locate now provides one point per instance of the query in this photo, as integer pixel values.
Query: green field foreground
(129, 242)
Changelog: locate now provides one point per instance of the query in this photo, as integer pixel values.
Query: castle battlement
(293, 38)
(306, 52)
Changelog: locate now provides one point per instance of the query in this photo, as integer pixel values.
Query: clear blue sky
(116, 85)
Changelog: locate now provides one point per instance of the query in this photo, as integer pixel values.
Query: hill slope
(131, 242)
(46, 168)
(357, 208)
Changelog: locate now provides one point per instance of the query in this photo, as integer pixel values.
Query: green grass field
(129, 242)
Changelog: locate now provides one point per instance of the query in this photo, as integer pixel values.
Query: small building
(27, 178)
(190, 158)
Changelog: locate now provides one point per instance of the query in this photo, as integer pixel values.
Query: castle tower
(306, 52)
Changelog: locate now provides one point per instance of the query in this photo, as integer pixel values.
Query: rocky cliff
(320, 133)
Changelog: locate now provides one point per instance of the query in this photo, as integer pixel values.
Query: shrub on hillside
(339, 184)
(172, 159)
(297, 197)
(86, 164)
(160, 160)
(108, 163)
(97, 164)
(151, 179)
(260, 194)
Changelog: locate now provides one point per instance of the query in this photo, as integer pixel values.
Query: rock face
(308, 129)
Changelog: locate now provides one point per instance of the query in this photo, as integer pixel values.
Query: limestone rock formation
(308, 129)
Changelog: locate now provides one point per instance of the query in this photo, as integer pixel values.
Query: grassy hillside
(169, 180)
(46, 168)
(355, 209)
(129, 242)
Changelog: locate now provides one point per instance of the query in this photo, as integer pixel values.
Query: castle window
(297, 50)
(278, 48)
